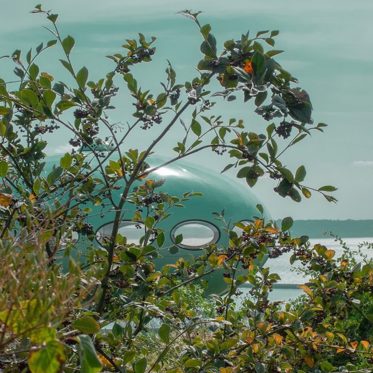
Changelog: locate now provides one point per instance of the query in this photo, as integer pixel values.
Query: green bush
(115, 310)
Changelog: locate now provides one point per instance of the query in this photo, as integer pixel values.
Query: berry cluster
(268, 112)
(174, 96)
(43, 128)
(86, 229)
(75, 142)
(219, 150)
(284, 129)
(138, 56)
(150, 199)
(192, 96)
(81, 113)
(149, 120)
(275, 252)
(90, 128)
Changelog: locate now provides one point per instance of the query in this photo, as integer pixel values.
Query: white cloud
(363, 163)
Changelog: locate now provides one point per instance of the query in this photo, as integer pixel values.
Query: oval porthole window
(133, 231)
(197, 234)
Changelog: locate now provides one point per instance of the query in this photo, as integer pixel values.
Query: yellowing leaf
(261, 325)
(354, 344)
(5, 200)
(226, 370)
(47, 76)
(278, 338)
(344, 263)
(309, 361)
(119, 172)
(251, 266)
(32, 198)
(250, 338)
(307, 290)
(271, 230)
(329, 254)
(221, 259)
(104, 361)
(365, 344)
(323, 278)
(339, 350)
(258, 223)
(255, 348)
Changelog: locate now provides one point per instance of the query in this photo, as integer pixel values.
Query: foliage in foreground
(114, 310)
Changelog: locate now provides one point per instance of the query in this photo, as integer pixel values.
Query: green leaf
(270, 41)
(33, 71)
(49, 97)
(3, 168)
(208, 47)
(82, 76)
(178, 239)
(287, 223)
(173, 250)
(67, 66)
(300, 174)
(51, 43)
(89, 362)
(68, 44)
(227, 167)
(259, 33)
(295, 195)
(4, 110)
(243, 172)
(258, 63)
(205, 30)
(160, 239)
(161, 100)
(39, 48)
(149, 222)
(299, 138)
(54, 175)
(64, 105)
(193, 363)
(287, 174)
(164, 333)
(28, 97)
(140, 365)
(259, 207)
(327, 188)
(48, 359)
(53, 17)
(260, 98)
(196, 127)
(251, 179)
(86, 324)
(274, 52)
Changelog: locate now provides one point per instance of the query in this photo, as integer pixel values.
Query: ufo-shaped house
(196, 221)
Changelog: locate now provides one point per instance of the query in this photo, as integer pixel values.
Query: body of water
(290, 278)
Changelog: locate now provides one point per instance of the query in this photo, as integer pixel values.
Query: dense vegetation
(113, 309)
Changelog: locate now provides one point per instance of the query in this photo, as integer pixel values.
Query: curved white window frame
(124, 223)
(215, 234)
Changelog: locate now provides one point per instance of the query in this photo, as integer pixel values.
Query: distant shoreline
(325, 228)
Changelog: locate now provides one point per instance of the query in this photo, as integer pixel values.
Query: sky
(328, 48)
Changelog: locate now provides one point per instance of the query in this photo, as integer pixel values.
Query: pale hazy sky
(328, 44)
